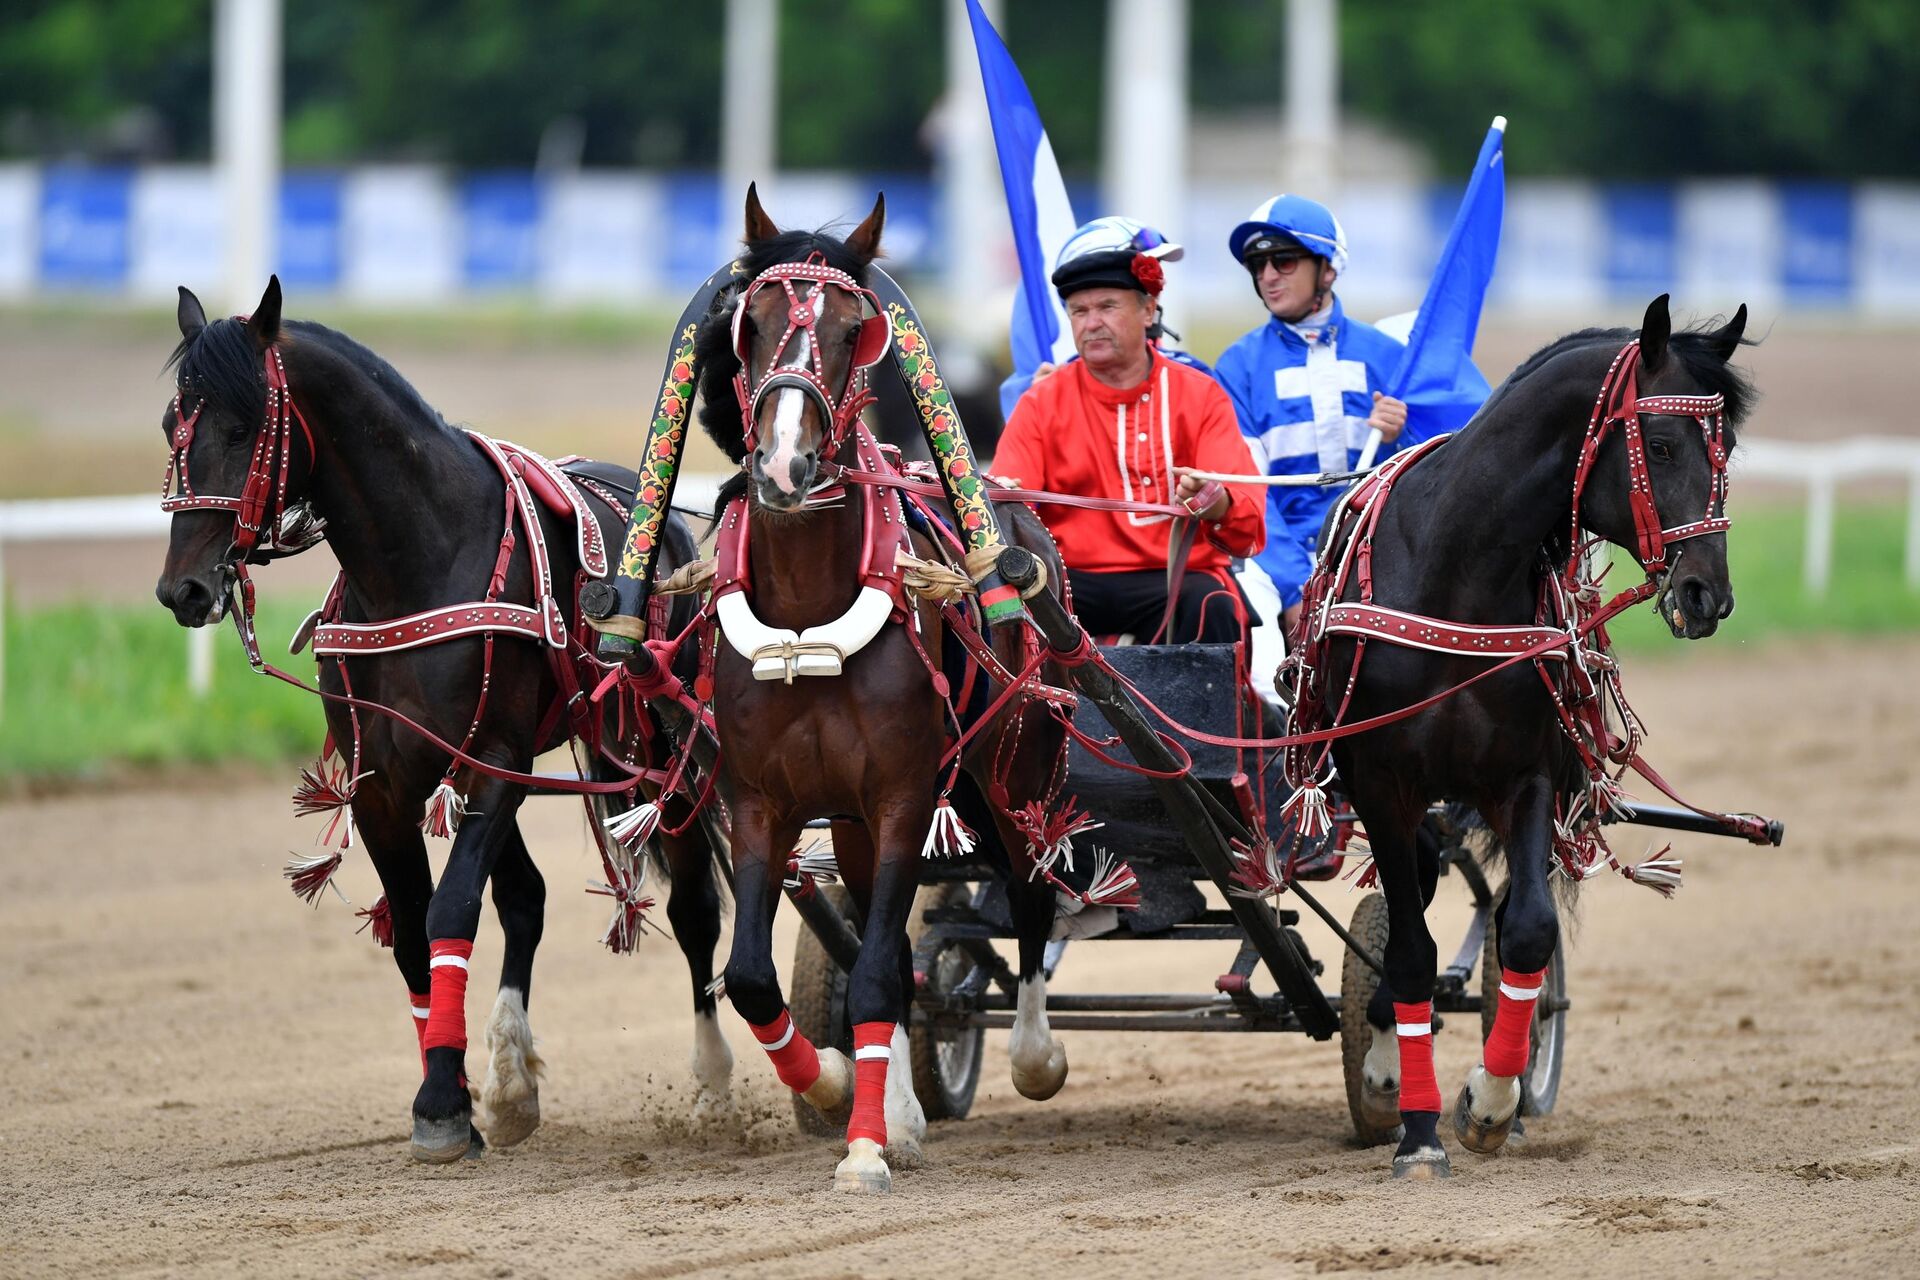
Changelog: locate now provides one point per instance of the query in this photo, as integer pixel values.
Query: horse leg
(1380, 1070)
(1410, 963)
(399, 855)
(693, 909)
(877, 997)
(906, 1121)
(824, 1077)
(1529, 930)
(511, 1097)
(443, 1109)
(1039, 1061)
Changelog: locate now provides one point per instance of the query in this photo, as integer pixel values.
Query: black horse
(414, 512)
(1470, 535)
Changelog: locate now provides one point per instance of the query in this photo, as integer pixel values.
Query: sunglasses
(1283, 261)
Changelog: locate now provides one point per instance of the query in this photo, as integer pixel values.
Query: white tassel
(1114, 884)
(947, 836)
(718, 987)
(636, 826)
(815, 864)
(445, 808)
(1308, 812)
(1660, 874)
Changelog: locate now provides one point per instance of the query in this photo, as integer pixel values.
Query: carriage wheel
(1540, 1087)
(1358, 982)
(817, 998)
(946, 1060)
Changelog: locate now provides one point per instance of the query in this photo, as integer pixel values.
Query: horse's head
(1658, 480)
(804, 328)
(231, 473)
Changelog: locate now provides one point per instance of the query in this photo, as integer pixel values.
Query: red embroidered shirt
(1071, 433)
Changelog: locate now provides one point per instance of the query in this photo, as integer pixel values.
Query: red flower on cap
(1148, 272)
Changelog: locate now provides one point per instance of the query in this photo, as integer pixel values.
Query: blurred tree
(1634, 89)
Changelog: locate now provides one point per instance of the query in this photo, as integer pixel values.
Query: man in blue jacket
(1306, 384)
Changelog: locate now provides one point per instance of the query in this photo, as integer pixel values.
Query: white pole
(751, 83)
(1819, 532)
(1144, 150)
(246, 146)
(975, 211)
(1913, 529)
(1312, 72)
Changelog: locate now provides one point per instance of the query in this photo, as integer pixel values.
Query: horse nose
(801, 469)
(190, 600)
(1701, 601)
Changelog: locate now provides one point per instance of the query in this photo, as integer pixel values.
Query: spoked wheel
(946, 1060)
(1540, 1086)
(817, 998)
(1372, 1125)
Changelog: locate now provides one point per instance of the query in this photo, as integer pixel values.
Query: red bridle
(1620, 402)
(262, 503)
(838, 409)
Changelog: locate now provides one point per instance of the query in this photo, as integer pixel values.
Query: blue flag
(1037, 205)
(1436, 376)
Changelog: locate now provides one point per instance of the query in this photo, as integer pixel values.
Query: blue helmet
(1306, 222)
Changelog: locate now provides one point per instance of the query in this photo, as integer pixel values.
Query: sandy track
(202, 1076)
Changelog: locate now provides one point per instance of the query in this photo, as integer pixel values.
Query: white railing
(1822, 468)
(139, 516)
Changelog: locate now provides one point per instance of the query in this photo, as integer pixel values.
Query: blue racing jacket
(1303, 397)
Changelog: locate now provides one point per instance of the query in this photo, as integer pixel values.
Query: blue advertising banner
(84, 228)
(308, 245)
(1642, 229)
(1816, 241)
(501, 216)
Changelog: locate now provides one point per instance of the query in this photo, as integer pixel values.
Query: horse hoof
(863, 1172)
(905, 1153)
(444, 1141)
(833, 1091)
(511, 1123)
(714, 1109)
(1380, 1107)
(1049, 1080)
(1423, 1164)
(1483, 1137)
(478, 1149)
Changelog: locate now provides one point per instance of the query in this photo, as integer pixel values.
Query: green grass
(93, 691)
(1867, 593)
(96, 689)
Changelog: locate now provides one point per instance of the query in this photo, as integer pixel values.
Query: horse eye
(1659, 451)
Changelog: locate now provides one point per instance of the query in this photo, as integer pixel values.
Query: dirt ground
(202, 1076)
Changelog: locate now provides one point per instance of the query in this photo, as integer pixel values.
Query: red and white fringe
(813, 865)
(636, 826)
(1050, 835)
(445, 808)
(1257, 872)
(310, 877)
(379, 918)
(1307, 810)
(1659, 873)
(947, 836)
(626, 885)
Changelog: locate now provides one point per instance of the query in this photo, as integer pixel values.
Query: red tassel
(379, 918)
(445, 808)
(310, 876)
(325, 789)
(625, 885)
(1050, 835)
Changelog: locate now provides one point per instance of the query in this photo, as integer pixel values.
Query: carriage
(262, 476)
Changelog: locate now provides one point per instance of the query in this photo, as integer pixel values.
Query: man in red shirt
(1120, 422)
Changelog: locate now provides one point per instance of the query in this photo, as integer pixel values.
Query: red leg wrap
(872, 1050)
(1419, 1089)
(794, 1056)
(447, 1014)
(1507, 1045)
(422, 1007)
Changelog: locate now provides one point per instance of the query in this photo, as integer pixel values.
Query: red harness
(808, 373)
(1568, 632)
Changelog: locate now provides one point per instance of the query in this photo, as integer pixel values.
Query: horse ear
(759, 225)
(264, 323)
(1655, 329)
(192, 316)
(1723, 342)
(865, 240)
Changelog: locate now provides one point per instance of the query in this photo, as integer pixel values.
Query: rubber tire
(942, 1096)
(817, 998)
(1358, 982)
(1540, 1087)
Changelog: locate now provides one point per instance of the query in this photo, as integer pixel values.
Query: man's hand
(1046, 367)
(1388, 417)
(1189, 489)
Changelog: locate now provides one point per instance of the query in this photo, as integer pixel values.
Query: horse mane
(223, 364)
(1690, 346)
(713, 344)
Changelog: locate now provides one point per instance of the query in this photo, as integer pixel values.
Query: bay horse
(293, 415)
(779, 363)
(1604, 433)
